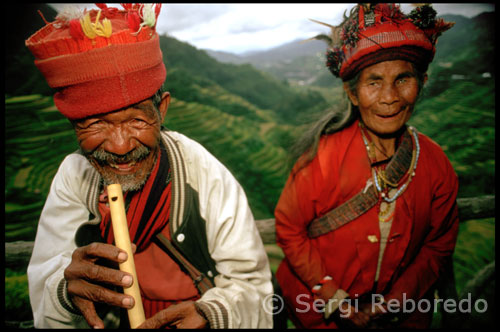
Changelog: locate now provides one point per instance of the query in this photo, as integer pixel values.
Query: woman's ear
(350, 94)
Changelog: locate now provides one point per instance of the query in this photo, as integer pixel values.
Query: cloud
(180, 17)
(243, 27)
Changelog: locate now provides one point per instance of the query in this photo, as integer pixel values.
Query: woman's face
(385, 95)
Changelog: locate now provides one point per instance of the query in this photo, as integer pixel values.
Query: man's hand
(84, 277)
(183, 316)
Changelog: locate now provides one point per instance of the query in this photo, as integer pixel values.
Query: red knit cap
(102, 60)
(381, 32)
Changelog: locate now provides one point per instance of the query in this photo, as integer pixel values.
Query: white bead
(180, 237)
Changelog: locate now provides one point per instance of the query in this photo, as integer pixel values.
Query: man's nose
(119, 141)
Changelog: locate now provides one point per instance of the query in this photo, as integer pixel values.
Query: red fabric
(102, 74)
(157, 272)
(422, 236)
(109, 94)
(140, 230)
(99, 63)
(380, 37)
(49, 41)
(389, 31)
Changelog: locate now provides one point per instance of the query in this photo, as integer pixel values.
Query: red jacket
(423, 233)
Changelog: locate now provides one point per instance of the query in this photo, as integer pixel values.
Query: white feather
(68, 13)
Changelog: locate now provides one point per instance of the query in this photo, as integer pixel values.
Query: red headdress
(381, 32)
(100, 60)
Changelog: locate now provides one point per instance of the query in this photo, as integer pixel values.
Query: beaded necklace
(387, 189)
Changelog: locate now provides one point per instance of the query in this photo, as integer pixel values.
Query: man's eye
(139, 122)
(94, 123)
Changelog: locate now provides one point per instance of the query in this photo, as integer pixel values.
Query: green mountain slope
(193, 66)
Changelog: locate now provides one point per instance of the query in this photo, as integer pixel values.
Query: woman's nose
(389, 94)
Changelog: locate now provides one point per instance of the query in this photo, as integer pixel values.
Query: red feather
(75, 29)
(134, 21)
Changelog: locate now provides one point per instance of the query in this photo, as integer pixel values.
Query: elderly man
(368, 217)
(200, 261)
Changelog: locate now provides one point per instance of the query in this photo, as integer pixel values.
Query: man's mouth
(123, 166)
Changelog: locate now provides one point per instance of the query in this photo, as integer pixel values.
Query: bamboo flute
(122, 240)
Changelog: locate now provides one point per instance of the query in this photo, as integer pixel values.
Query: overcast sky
(239, 28)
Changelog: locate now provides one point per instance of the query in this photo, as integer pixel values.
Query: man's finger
(95, 293)
(181, 315)
(101, 250)
(162, 318)
(97, 273)
(87, 309)
(159, 320)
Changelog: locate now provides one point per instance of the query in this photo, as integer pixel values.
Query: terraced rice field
(37, 137)
(257, 163)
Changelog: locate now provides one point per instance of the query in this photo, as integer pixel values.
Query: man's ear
(351, 95)
(163, 108)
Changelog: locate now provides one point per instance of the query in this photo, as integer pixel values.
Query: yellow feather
(87, 26)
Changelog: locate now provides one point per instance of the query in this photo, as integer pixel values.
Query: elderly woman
(368, 215)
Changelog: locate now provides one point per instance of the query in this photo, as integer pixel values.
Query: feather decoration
(333, 38)
(70, 12)
(148, 15)
(92, 30)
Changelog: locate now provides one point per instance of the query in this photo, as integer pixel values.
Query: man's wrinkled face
(122, 145)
